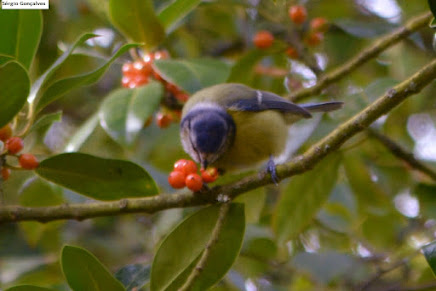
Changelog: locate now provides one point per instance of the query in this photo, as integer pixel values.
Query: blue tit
(234, 127)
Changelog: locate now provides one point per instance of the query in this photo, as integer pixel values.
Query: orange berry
(163, 120)
(137, 81)
(194, 182)
(125, 81)
(182, 97)
(177, 179)
(292, 53)
(128, 70)
(5, 132)
(28, 161)
(14, 145)
(185, 166)
(142, 68)
(209, 175)
(318, 24)
(297, 14)
(314, 38)
(263, 39)
(6, 173)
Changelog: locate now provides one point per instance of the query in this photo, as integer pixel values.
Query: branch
(367, 54)
(211, 243)
(402, 154)
(298, 165)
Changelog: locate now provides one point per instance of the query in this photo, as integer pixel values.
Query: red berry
(128, 70)
(138, 80)
(125, 81)
(194, 182)
(263, 39)
(297, 14)
(318, 24)
(292, 53)
(209, 175)
(185, 166)
(182, 97)
(163, 120)
(6, 173)
(14, 145)
(177, 179)
(28, 161)
(5, 132)
(148, 58)
(314, 38)
(142, 68)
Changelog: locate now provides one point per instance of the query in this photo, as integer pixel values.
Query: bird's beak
(203, 161)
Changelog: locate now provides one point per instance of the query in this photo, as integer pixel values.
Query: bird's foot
(271, 169)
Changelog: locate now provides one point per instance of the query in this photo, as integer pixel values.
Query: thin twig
(364, 56)
(298, 165)
(402, 154)
(224, 209)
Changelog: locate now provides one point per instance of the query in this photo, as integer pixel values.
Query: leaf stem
(224, 209)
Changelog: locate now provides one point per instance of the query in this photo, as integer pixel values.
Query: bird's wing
(261, 101)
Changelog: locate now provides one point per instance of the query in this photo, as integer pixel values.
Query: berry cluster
(312, 36)
(140, 72)
(185, 175)
(13, 145)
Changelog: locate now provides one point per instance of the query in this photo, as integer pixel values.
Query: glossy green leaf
(137, 20)
(195, 74)
(303, 197)
(430, 255)
(28, 288)
(254, 201)
(38, 193)
(14, 88)
(432, 5)
(124, 111)
(175, 11)
(46, 77)
(243, 70)
(134, 276)
(5, 58)
(432, 23)
(81, 135)
(84, 271)
(181, 249)
(60, 87)
(426, 194)
(22, 36)
(98, 178)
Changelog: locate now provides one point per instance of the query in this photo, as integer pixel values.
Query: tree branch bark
(298, 165)
(364, 56)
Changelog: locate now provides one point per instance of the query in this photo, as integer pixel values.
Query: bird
(234, 127)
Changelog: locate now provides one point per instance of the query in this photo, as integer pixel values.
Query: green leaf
(426, 194)
(124, 111)
(175, 11)
(195, 74)
(432, 23)
(82, 134)
(303, 198)
(5, 58)
(46, 77)
(60, 87)
(28, 288)
(134, 276)
(84, 271)
(38, 193)
(243, 70)
(98, 178)
(137, 20)
(22, 36)
(180, 250)
(430, 255)
(432, 5)
(14, 88)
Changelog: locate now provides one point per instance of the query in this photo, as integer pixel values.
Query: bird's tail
(322, 107)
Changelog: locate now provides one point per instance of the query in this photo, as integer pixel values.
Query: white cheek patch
(187, 144)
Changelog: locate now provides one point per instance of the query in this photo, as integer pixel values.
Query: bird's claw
(271, 169)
